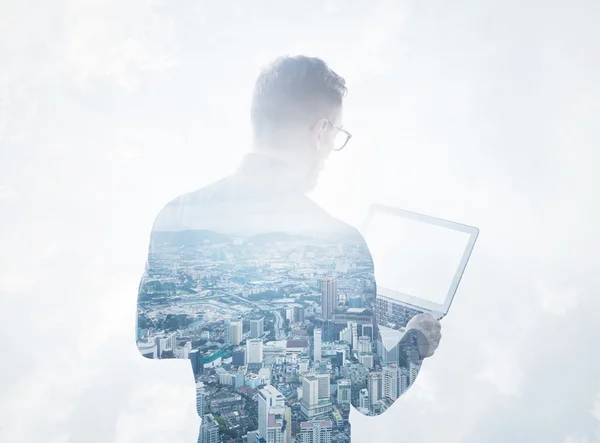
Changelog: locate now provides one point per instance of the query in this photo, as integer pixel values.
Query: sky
(480, 112)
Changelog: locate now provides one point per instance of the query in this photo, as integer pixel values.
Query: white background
(481, 112)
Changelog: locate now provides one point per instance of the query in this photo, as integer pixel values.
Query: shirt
(272, 301)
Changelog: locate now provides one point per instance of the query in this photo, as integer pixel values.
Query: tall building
(289, 314)
(354, 329)
(257, 327)
(317, 345)
(366, 360)
(388, 356)
(413, 369)
(391, 382)
(344, 391)
(374, 386)
(315, 396)
(238, 356)
(209, 430)
(234, 332)
(364, 345)
(328, 297)
(268, 397)
(310, 390)
(363, 399)
(254, 350)
(367, 331)
(194, 356)
(201, 399)
(299, 313)
(324, 386)
(404, 385)
(279, 425)
(318, 431)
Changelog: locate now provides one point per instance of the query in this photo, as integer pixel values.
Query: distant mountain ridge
(190, 237)
(187, 237)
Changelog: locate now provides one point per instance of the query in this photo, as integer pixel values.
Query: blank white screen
(415, 257)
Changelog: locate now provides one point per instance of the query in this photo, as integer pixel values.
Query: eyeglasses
(342, 137)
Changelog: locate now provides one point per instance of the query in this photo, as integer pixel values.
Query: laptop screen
(416, 257)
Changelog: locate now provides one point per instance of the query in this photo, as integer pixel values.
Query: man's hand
(428, 332)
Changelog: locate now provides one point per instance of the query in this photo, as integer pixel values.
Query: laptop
(419, 261)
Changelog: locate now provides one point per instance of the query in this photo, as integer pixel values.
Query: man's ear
(321, 127)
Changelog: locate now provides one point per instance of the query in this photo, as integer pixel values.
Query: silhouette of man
(271, 299)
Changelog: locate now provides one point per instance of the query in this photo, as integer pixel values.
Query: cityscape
(281, 331)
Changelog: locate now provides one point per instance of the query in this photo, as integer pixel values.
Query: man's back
(270, 298)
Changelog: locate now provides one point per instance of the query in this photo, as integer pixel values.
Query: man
(252, 282)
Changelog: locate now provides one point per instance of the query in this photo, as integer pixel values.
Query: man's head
(297, 112)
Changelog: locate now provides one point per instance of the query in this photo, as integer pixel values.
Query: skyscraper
(194, 356)
(209, 430)
(328, 297)
(363, 399)
(324, 388)
(391, 382)
(344, 391)
(238, 356)
(318, 431)
(310, 390)
(279, 425)
(254, 350)
(257, 327)
(367, 330)
(364, 345)
(299, 313)
(317, 345)
(374, 386)
(413, 371)
(268, 397)
(200, 398)
(234, 331)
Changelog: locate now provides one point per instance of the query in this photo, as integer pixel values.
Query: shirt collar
(269, 172)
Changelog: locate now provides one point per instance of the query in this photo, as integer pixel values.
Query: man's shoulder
(172, 215)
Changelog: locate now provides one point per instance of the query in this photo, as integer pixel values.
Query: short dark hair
(292, 90)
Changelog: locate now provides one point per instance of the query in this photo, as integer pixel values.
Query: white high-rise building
(388, 356)
(344, 391)
(209, 430)
(354, 329)
(254, 350)
(279, 425)
(303, 364)
(289, 314)
(366, 360)
(413, 371)
(317, 343)
(346, 335)
(374, 386)
(364, 345)
(391, 382)
(318, 431)
(201, 400)
(234, 328)
(315, 401)
(257, 327)
(363, 399)
(268, 397)
(324, 386)
(310, 390)
(404, 385)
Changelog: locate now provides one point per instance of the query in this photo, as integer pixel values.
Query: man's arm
(421, 339)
